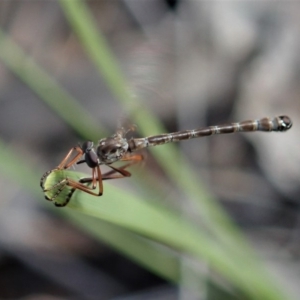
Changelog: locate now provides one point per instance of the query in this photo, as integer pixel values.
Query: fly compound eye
(87, 146)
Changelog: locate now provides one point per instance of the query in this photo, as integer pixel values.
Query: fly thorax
(112, 149)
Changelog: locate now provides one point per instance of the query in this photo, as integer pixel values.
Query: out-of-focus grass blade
(48, 89)
(93, 43)
(63, 103)
(158, 223)
(161, 261)
(157, 259)
(168, 156)
(15, 168)
(212, 215)
(233, 261)
(141, 250)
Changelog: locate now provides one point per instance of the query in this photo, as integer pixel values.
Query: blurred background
(190, 64)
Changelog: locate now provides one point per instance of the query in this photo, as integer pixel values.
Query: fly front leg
(64, 164)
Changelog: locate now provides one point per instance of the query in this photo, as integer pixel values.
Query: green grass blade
(85, 28)
(160, 224)
(211, 213)
(142, 251)
(229, 254)
(48, 89)
(160, 261)
(63, 103)
(98, 50)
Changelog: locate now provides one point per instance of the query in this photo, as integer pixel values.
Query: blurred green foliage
(158, 238)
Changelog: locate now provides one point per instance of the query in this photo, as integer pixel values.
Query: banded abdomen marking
(281, 123)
